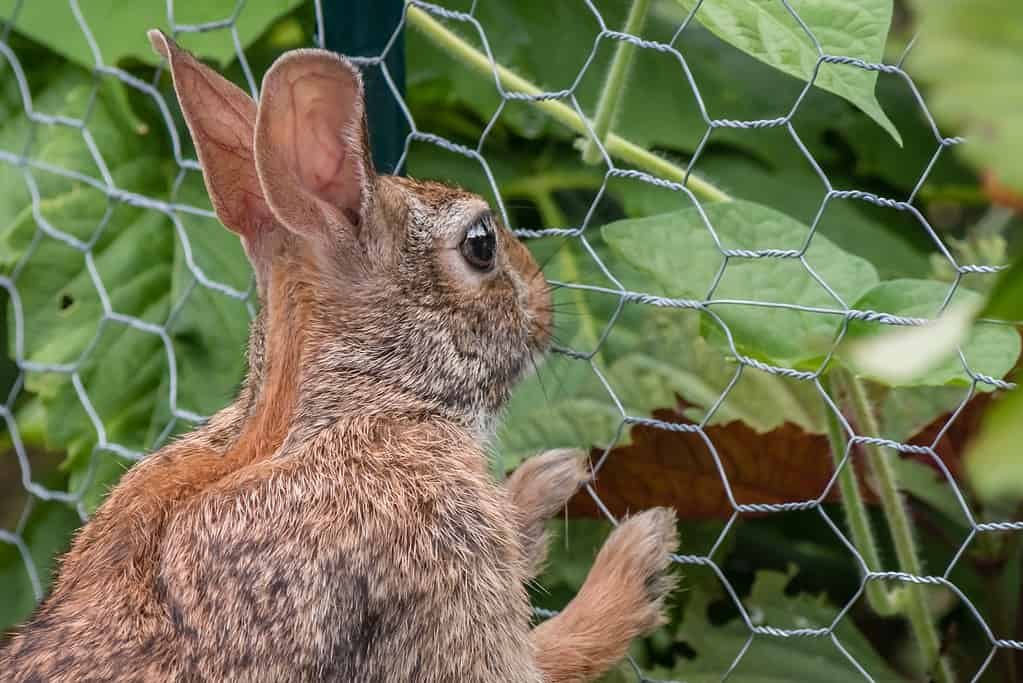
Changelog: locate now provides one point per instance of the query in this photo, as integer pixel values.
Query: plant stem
(901, 530)
(879, 597)
(615, 145)
(614, 86)
(533, 185)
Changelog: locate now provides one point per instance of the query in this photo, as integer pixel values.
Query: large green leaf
(119, 26)
(682, 259)
(46, 532)
(989, 349)
(893, 244)
(650, 356)
(971, 54)
(141, 269)
(774, 659)
(770, 33)
(567, 405)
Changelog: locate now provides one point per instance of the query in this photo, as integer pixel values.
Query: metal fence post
(362, 28)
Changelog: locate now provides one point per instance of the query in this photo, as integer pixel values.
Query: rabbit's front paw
(540, 487)
(634, 567)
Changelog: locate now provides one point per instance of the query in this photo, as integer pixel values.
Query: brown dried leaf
(785, 465)
(662, 467)
(1001, 194)
(950, 447)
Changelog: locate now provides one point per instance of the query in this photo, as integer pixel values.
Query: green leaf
(567, 405)
(994, 460)
(774, 660)
(119, 27)
(680, 256)
(140, 271)
(970, 55)
(94, 475)
(651, 355)
(767, 31)
(989, 349)
(906, 411)
(902, 354)
(47, 532)
(799, 193)
(571, 554)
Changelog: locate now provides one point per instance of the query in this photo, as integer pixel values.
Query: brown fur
(336, 521)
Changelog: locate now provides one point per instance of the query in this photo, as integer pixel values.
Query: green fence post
(362, 28)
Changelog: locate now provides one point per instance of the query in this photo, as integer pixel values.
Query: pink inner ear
(324, 137)
(310, 143)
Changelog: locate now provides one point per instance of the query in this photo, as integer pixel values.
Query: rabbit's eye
(480, 245)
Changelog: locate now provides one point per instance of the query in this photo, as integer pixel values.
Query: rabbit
(337, 521)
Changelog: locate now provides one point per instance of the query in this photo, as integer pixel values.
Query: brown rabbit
(337, 522)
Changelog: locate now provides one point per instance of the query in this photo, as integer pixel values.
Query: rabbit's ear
(312, 150)
(221, 119)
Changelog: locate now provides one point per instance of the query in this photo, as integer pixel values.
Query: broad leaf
(119, 27)
(902, 354)
(774, 660)
(919, 474)
(989, 349)
(769, 32)
(567, 405)
(970, 55)
(46, 532)
(651, 355)
(140, 270)
(681, 257)
(892, 244)
(907, 412)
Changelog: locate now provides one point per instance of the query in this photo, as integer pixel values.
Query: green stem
(539, 183)
(614, 86)
(880, 599)
(615, 145)
(901, 530)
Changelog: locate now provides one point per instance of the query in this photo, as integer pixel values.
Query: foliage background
(860, 129)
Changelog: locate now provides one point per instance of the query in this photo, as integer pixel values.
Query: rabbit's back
(379, 559)
(356, 558)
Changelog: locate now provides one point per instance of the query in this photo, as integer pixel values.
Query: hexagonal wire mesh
(29, 166)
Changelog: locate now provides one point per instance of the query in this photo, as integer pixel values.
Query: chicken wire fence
(31, 168)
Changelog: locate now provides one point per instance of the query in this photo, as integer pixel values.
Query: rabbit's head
(400, 293)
